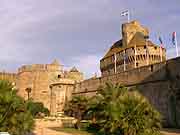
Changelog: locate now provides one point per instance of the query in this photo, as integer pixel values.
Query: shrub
(36, 108)
(14, 117)
(117, 111)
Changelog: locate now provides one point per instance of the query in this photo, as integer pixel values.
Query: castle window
(144, 56)
(59, 76)
(155, 47)
(144, 47)
(177, 77)
(152, 68)
(138, 57)
(141, 57)
(137, 64)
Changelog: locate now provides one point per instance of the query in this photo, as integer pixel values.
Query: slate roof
(137, 40)
(74, 69)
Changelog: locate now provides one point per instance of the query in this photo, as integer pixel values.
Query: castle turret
(132, 51)
(74, 74)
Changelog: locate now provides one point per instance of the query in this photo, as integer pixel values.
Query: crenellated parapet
(8, 76)
(39, 67)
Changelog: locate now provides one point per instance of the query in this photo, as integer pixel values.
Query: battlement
(158, 82)
(141, 75)
(8, 76)
(129, 77)
(39, 67)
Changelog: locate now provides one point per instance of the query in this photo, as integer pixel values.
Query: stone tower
(132, 51)
(39, 77)
(129, 30)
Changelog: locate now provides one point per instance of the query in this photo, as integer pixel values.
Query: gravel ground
(42, 128)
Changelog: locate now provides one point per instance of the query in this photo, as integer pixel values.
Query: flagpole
(128, 16)
(177, 54)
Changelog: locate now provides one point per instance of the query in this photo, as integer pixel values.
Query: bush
(77, 108)
(117, 111)
(37, 109)
(14, 117)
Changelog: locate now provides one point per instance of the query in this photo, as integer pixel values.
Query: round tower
(134, 50)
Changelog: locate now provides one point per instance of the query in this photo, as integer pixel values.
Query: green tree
(36, 108)
(76, 108)
(14, 117)
(124, 112)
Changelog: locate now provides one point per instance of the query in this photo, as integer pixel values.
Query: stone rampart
(8, 76)
(158, 82)
(38, 67)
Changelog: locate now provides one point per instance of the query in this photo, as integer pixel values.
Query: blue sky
(77, 32)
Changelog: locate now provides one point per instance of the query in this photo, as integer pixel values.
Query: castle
(137, 63)
(36, 81)
(134, 61)
(132, 51)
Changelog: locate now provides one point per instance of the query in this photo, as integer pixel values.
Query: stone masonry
(141, 65)
(42, 80)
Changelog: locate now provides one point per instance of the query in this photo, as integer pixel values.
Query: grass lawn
(71, 131)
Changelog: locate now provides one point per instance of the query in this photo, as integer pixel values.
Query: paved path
(42, 128)
(171, 131)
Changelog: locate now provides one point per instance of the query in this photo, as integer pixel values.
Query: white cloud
(37, 31)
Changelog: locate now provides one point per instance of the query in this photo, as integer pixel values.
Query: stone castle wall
(39, 78)
(38, 82)
(12, 77)
(158, 82)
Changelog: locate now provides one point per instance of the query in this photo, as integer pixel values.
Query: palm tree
(125, 112)
(28, 90)
(77, 108)
(14, 117)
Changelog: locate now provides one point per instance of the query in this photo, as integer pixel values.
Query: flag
(174, 38)
(125, 13)
(160, 40)
(174, 41)
(161, 44)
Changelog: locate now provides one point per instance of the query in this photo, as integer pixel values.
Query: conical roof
(55, 62)
(74, 69)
